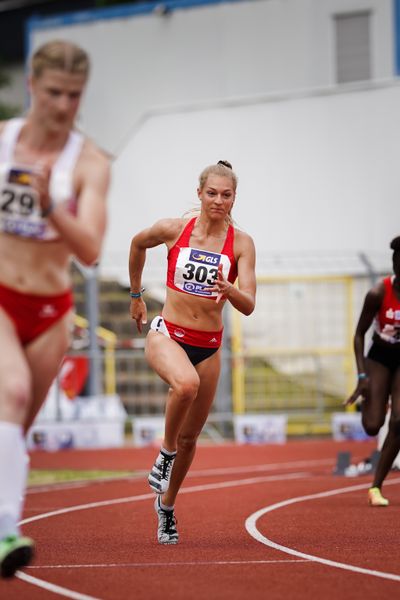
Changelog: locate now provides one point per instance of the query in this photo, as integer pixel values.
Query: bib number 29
(15, 202)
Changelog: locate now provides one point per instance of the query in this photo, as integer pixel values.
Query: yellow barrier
(110, 339)
(238, 375)
(308, 311)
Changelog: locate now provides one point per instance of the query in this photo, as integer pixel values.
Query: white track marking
(184, 490)
(255, 533)
(198, 488)
(139, 475)
(169, 564)
(51, 587)
(298, 464)
(56, 487)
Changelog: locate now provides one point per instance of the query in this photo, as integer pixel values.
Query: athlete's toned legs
(15, 379)
(15, 394)
(171, 363)
(375, 406)
(25, 377)
(391, 445)
(190, 396)
(44, 356)
(190, 430)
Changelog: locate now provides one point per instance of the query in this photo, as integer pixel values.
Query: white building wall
(211, 52)
(316, 175)
(251, 82)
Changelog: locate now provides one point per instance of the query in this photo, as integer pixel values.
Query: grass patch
(45, 477)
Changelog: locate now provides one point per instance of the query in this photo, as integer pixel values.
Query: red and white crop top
(20, 212)
(193, 271)
(387, 320)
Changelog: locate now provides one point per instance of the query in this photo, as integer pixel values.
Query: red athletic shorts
(33, 315)
(197, 344)
(194, 337)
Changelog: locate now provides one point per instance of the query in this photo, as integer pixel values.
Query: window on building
(353, 47)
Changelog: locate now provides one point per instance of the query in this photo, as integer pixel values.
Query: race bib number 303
(196, 271)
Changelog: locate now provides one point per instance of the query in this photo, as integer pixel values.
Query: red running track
(255, 522)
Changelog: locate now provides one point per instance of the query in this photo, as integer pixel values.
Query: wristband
(362, 376)
(137, 294)
(47, 211)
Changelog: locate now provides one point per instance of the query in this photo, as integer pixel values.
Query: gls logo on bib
(210, 258)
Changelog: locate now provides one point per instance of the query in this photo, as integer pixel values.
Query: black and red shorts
(197, 344)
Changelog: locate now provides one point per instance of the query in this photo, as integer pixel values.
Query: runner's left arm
(243, 296)
(83, 233)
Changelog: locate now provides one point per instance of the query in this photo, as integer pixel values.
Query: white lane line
(197, 488)
(38, 489)
(256, 534)
(298, 464)
(66, 485)
(184, 490)
(51, 587)
(169, 564)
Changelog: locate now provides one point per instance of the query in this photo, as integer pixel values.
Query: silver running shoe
(166, 532)
(160, 474)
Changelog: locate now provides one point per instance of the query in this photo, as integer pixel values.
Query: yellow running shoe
(375, 497)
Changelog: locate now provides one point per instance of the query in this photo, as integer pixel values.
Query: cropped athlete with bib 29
(53, 185)
(379, 370)
(206, 254)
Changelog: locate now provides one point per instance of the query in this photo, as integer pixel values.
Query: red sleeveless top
(193, 271)
(387, 321)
